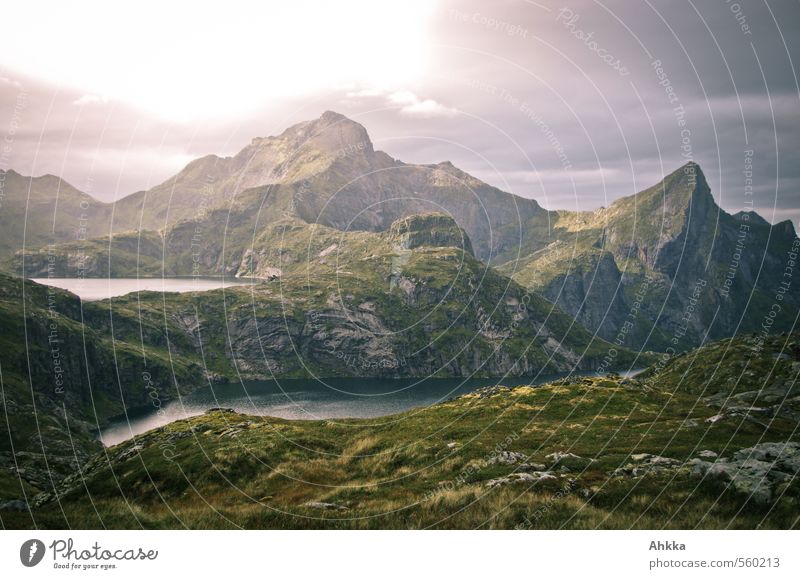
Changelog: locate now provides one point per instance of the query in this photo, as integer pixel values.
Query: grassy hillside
(635, 453)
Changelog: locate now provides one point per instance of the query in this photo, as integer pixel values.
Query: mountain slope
(413, 301)
(61, 378)
(665, 268)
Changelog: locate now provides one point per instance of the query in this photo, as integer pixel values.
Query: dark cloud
(560, 102)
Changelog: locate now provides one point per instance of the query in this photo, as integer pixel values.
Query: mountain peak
(690, 175)
(332, 133)
(333, 117)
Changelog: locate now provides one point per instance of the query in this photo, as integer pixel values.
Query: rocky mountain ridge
(630, 272)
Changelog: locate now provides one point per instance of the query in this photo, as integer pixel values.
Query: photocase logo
(32, 552)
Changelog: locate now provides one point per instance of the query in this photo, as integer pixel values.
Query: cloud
(411, 104)
(524, 104)
(366, 93)
(10, 82)
(90, 99)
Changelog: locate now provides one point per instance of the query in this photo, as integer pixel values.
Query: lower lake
(307, 399)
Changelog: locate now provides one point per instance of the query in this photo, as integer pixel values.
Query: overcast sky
(565, 102)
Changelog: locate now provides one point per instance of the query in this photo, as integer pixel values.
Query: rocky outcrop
(430, 229)
(756, 472)
(644, 464)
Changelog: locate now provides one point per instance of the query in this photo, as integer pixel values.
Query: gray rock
(130, 451)
(507, 458)
(769, 451)
(707, 454)
(791, 464)
(646, 464)
(14, 505)
(662, 461)
(520, 478)
(698, 467)
(490, 391)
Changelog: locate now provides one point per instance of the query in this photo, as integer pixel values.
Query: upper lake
(92, 289)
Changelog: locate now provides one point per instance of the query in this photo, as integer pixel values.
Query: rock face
(391, 336)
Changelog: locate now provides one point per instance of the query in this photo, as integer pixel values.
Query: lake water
(92, 289)
(307, 399)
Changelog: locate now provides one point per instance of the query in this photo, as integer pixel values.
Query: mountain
(37, 211)
(666, 268)
(326, 171)
(322, 171)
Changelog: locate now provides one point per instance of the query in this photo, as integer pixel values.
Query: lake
(93, 289)
(307, 399)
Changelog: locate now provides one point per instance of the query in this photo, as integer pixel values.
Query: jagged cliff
(666, 268)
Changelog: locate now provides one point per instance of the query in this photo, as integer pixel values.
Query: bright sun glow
(188, 61)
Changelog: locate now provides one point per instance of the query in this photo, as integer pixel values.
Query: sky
(574, 103)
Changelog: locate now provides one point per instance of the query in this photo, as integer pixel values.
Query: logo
(31, 553)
